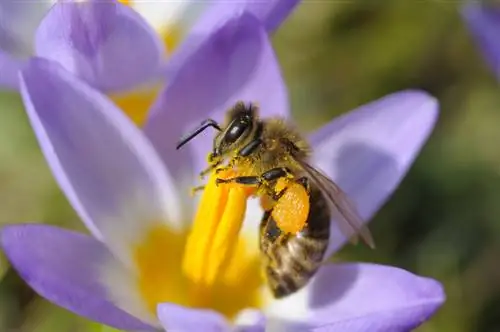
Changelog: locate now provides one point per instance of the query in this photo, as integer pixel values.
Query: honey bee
(299, 200)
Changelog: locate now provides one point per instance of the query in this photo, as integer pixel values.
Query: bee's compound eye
(235, 131)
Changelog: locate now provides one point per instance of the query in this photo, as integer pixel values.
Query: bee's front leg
(245, 180)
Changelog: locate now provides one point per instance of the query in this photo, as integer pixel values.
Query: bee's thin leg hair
(198, 188)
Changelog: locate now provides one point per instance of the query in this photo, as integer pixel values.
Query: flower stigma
(209, 266)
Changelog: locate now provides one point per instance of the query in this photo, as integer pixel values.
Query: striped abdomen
(290, 260)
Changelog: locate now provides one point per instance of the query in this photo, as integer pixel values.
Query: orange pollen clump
(291, 211)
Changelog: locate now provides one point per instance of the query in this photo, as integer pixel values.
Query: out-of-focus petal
(167, 15)
(360, 298)
(102, 161)
(250, 320)
(181, 319)
(270, 12)
(104, 42)
(64, 267)
(234, 63)
(18, 23)
(9, 71)
(368, 151)
(483, 21)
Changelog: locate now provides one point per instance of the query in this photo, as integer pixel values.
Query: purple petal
(180, 319)
(9, 71)
(365, 298)
(63, 267)
(102, 161)
(368, 151)
(483, 21)
(270, 12)
(234, 63)
(104, 42)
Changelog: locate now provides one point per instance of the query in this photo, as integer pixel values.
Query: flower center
(211, 267)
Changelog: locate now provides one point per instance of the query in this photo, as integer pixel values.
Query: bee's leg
(194, 190)
(247, 180)
(276, 173)
(250, 148)
(304, 181)
(268, 176)
(209, 169)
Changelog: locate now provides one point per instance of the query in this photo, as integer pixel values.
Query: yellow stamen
(137, 103)
(227, 234)
(215, 231)
(218, 271)
(205, 224)
(171, 36)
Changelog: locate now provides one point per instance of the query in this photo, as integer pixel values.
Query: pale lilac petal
(368, 151)
(483, 21)
(9, 71)
(270, 12)
(104, 42)
(18, 23)
(181, 319)
(64, 267)
(236, 62)
(106, 167)
(250, 320)
(362, 298)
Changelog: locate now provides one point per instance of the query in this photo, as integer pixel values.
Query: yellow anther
(215, 231)
(226, 236)
(205, 224)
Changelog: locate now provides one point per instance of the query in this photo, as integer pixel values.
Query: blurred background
(443, 221)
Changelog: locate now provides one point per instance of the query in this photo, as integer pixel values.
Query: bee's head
(240, 121)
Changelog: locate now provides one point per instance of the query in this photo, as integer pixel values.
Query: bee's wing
(344, 211)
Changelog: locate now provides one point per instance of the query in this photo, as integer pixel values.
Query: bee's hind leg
(304, 181)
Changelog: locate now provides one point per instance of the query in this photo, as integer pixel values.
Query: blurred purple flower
(108, 44)
(483, 21)
(124, 184)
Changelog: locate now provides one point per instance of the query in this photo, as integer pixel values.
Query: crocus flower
(124, 184)
(118, 49)
(483, 21)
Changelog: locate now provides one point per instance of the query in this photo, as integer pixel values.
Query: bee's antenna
(204, 125)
